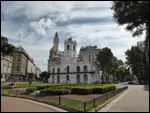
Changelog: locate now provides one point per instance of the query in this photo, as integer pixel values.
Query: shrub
(44, 91)
(31, 89)
(5, 86)
(81, 90)
(40, 87)
(59, 91)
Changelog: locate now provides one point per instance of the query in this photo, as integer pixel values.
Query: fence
(84, 106)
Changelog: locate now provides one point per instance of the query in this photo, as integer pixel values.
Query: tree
(31, 77)
(135, 59)
(136, 15)
(44, 76)
(6, 48)
(105, 60)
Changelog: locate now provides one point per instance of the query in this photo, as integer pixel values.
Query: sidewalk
(11, 104)
(135, 99)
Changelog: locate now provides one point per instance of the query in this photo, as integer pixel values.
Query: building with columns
(65, 67)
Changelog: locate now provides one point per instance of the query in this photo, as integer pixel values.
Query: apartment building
(6, 66)
(22, 64)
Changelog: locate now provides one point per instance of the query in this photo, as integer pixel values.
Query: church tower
(53, 51)
(56, 41)
(70, 50)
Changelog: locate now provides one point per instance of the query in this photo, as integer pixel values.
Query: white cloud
(41, 25)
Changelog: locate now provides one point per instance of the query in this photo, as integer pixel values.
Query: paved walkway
(11, 104)
(135, 99)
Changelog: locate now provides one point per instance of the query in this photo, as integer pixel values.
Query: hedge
(31, 89)
(81, 90)
(55, 91)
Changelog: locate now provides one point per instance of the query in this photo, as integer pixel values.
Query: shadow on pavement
(146, 87)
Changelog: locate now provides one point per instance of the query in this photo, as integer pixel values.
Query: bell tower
(56, 41)
(70, 50)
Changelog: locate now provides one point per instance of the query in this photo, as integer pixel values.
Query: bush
(59, 91)
(81, 90)
(44, 91)
(5, 86)
(31, 89)
(55, 91)
(103, 88)
(41, 87)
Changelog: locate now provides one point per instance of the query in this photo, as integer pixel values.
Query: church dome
(71, 39)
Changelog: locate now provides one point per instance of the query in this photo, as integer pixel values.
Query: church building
(64, 67)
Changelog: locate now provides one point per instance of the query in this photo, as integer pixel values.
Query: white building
(6, 66)
(64, 67)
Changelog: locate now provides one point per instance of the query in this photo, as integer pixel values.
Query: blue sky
(88, 22)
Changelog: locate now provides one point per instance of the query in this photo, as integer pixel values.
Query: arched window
(73, 47)
(58, 70)
(58, 79)
(78, 69)
(85, 77)
(78, 79)
(67, 47)
(68, 70)
(85, 68)
(67, 79)
(52, 70)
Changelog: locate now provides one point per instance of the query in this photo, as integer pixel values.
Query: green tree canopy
(6, 48)
(107, 62)
(44, 75)
(133, 13)
(135, 59)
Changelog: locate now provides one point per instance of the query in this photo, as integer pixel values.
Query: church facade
(64, 67)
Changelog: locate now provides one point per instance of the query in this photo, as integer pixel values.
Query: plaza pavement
(135, 99)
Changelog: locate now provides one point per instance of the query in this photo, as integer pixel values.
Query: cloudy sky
(88, 22)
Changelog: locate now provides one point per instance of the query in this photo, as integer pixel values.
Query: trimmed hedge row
(31, 89)
(55, 91)
(103, 89)
(81, 90)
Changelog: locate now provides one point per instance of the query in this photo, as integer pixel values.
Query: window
(85, 68)
(58, 70)
(73, 47)
(85, 78)
(52, 70)
(78, 79)
(68, 69)
(67, 47)
(78, 69)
